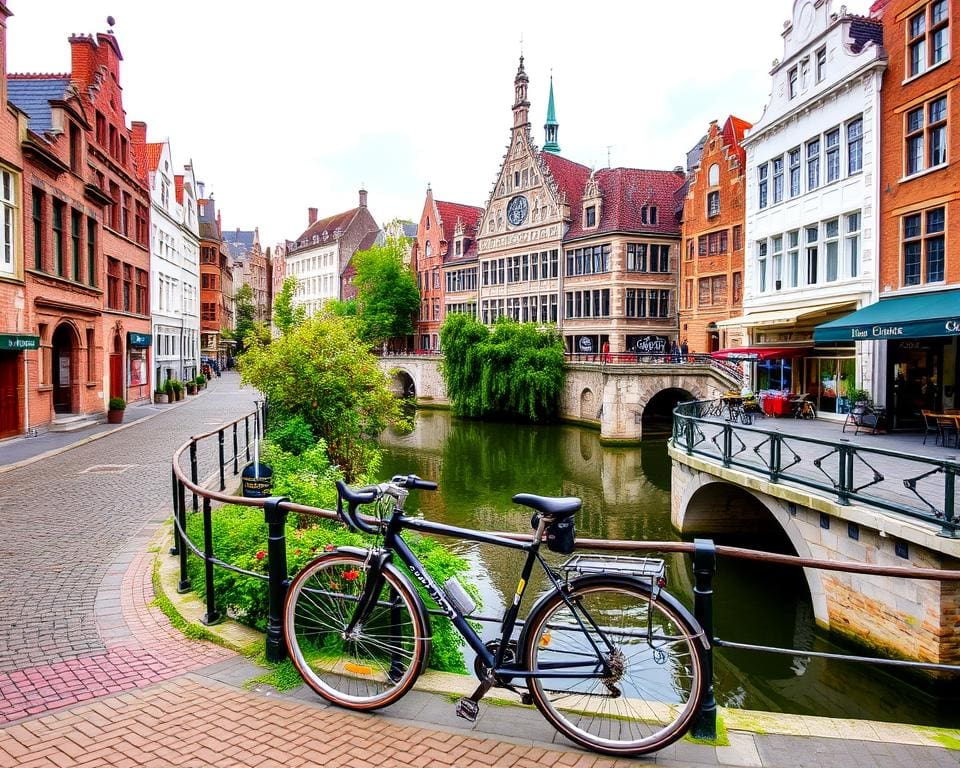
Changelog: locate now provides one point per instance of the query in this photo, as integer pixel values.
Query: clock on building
(517, 210)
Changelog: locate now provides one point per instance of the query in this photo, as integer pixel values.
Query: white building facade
(174, 268)
(812, 208)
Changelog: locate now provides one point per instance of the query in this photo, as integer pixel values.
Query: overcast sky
(284, 105)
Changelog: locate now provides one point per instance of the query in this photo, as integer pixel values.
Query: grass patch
(949, 739)
(161, 601)
(282, 676)
(722, 739)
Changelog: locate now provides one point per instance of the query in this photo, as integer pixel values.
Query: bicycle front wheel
(654, 680)
(380, 659)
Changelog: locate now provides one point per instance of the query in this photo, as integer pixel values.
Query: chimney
(138, 132)
(311, 216)
(363, 198)
(83, 58)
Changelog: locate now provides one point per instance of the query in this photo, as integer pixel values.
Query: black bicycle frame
(392, 541)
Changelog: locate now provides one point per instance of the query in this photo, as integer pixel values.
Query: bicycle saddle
(556, 507)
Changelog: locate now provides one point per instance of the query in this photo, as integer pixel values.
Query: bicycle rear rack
(652, 569)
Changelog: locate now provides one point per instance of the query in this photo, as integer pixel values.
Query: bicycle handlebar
(369, 493)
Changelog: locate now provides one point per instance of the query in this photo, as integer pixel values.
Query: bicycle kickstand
(469, 707)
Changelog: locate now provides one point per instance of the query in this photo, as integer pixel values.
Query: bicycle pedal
(468, 709)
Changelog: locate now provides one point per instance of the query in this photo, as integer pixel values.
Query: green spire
(551, 127)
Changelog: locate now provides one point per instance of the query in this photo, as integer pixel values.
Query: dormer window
(590, 216)
(458, 247)
(648, 214)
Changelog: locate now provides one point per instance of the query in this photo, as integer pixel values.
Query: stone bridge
(621, 399)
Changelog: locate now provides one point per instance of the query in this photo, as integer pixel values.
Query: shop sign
(142, 340)
(18, 343)
(647, 345)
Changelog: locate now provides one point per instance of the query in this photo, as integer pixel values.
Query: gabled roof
(152, 155)
(178, 188)
(239, 241)
(450, 212)
(330, 224)
(33, 94)
(570, 177)
(625, 192)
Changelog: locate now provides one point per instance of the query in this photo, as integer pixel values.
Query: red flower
(351, 575)
(261, 554)
(296, 551)
(329, 548)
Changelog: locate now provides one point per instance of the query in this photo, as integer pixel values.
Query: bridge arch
(728, 511)
(402, 383)
(657, 414)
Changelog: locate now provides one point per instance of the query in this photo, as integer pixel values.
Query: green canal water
(626, 495)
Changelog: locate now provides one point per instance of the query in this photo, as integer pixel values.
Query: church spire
(551, 127)
(521, 107)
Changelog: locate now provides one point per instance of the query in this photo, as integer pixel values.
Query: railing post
(704, 566)
(727, 444)
(236, 468)
(223, 479)
(212, 616)
(950, 471)
(775, 449)
(276, 519)
(176, 510)
(246, 434)
(688, 429)
(194, 474)
(845, 481)
(184, 584)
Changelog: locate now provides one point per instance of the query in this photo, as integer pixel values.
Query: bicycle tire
(658, 687)
(383, 659)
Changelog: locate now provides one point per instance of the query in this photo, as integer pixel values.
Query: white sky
(286, 104)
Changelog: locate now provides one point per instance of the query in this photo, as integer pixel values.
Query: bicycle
(610, 659)
(803, 408)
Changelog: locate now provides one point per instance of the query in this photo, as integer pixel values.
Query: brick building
(437, 242)
(216, 283)
(711, 270)
(914, 327)
(251, 266)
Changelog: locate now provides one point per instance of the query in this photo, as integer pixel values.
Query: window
(635, 302)
(101, 129)
(832, 142)
(115, 206)
(125, 214)
(777, 180)
(8, 231)
(853, 244)
(716, 242)
(737, 237)
(76, 224)
(713, 203)
(804, 74)
(208, 311)
(762, 266)
(793, 258)
(113, 283)
(702, 245)
(91, 355)
(142, 308)
(75, 146)
(38, 201)
(594, 303)
(813, 253)
(792, 83)
(831, 244)
(930, 133)
(855, 146)
(588, 261)
(937, 131)
(713, 175)
(659, 258)
(127, 287)
(794, 172)
(590, 216)
(762, 186)
(712, 291)
(776, 263)
(923, 247)
(928, 38)
(140, 232)
(690, 249)
(821, 65)
(813, 164)
(737, 287)
(58, 243)
(458, 247)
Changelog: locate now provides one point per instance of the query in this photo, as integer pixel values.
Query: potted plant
(201, 381)
(191, 385)
(171, 392)
(178, 389)
(160, 396)
(115, 409)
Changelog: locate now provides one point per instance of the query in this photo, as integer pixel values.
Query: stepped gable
(32, 93)
(625, 192)
(733, 131)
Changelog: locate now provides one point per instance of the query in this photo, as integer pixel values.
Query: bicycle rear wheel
(656, 680)
(381, 659)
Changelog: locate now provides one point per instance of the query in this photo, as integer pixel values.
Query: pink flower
(329, 548)
(261, 554)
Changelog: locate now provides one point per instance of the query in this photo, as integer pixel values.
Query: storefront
(138, 365)
(921, 333)
(14, 407)
(771, 368)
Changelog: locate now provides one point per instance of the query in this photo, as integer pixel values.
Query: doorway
(10, 365)
(116, 367)
(64, 361)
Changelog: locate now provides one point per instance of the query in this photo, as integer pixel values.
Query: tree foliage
(321, 372)
(287, 315)
(387, 295)
(244, 312)
(517, 370)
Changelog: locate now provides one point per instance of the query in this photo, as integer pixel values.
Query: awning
(759, 353)
(783, 316)
(903, 317)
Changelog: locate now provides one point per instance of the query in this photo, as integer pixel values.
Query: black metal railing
(919, 487)
(704, 554)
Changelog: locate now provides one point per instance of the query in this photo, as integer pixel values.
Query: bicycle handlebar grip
(354, 498)
(414, 483)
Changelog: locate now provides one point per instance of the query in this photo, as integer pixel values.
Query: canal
(626, 495)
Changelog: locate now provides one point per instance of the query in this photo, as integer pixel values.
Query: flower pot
(114, 417)
(160, 397)
(191, 389)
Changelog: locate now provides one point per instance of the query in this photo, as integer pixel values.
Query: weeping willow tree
(514, 371)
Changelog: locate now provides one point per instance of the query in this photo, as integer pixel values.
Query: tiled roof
(178, 188)
(693, 156)
(152, 155)
(450, 212)
(368, 241)
(329, 225)
(239, 241)
(569, 176)
(33, 94)
(625, 192)
(863, 31)
(409, 229)
(733, 131)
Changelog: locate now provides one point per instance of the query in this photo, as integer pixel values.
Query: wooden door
(9, 396)
(116, 375)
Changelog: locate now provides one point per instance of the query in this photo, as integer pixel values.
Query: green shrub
(117, 404)
(168, 388)
(200, 380)
(293, 434)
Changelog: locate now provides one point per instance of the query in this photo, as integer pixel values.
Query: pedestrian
(606, 351)
(684, 349)
(674, 351)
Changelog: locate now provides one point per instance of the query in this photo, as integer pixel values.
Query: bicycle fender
(405, 580)
(600, 578)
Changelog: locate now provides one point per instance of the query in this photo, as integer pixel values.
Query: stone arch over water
(403, 384)
(658, 412)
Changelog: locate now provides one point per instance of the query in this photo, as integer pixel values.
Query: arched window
(713, 175)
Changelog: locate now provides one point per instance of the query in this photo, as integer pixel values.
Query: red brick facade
(910, 107)
(711, 263)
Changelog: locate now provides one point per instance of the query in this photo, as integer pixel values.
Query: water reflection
(626, 495)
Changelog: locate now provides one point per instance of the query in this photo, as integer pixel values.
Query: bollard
(212, 616)
(276, 519)
(704, 566)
